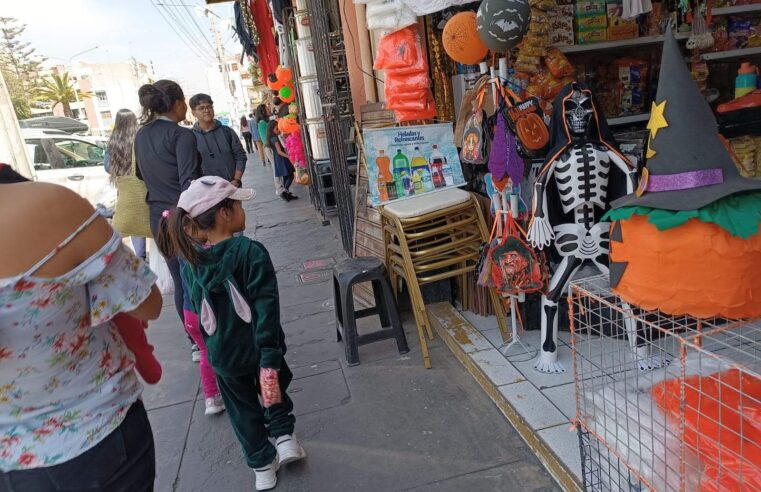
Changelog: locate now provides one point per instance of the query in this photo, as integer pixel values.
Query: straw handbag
(132, 216)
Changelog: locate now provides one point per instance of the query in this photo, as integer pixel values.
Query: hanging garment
(633, 8)
(267, 50)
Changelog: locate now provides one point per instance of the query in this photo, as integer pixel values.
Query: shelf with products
(622, 43)
(627, 120)
(736, 53)
(736, 9)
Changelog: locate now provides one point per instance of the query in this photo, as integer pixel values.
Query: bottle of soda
(420, 168)
(401, 167)
(437, 167)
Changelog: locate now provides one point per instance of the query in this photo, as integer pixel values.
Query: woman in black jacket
(167, 160)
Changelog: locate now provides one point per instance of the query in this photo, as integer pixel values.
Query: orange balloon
(697, 268)
(461, 40)
(284, 75)
(273, 83)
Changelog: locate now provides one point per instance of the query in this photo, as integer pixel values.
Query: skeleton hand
(540, 233)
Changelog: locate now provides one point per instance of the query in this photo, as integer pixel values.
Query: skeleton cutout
(571, 194)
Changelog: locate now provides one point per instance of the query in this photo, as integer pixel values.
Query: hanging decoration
(461, 41)
(407, 84)
(284, 75)
(295, 148)
(687, 242)
(266, 49)
(442, 85)
(287, 94)
(501, 24)
(246, 32)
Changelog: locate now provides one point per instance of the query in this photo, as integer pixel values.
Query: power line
(195, 22)
(182, 26)
(182, 38)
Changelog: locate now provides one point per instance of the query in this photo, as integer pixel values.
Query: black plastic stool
(355, 271)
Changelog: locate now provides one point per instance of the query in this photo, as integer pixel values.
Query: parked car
(70, 161)
(68, 125)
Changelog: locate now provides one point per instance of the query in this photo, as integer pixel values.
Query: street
(385, 425)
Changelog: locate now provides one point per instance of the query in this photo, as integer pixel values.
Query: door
(47, 164)
(81, 165)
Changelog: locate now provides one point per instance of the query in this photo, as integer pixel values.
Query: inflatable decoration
(687, 241)
(501, 24)
(287, 94)
(284, 75)
(461, 41)
(273, 83)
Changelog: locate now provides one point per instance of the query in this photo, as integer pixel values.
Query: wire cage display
(664, 403)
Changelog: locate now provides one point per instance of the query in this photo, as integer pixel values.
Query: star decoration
(657, 121)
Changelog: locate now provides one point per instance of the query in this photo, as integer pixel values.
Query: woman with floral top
(71, 417)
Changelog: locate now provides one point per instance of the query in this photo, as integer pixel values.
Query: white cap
(205, 193)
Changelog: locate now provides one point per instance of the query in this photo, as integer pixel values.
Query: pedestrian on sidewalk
(234, 288)
(70, 410)
(282, 163)
(218, 145)
(245, 131)
(167, 161)
(118, 159)
(253, 126)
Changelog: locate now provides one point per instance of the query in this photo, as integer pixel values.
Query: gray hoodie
(220, 151)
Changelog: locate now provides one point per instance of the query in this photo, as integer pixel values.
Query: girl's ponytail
(175, 236)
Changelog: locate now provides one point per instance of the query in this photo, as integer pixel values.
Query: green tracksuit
(238, 349)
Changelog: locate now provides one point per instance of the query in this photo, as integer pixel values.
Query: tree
(20, 65)
(59, 89)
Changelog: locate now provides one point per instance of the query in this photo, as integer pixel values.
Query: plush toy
(583, 173)
(687, 242)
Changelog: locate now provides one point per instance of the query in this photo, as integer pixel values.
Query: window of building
(102, 97)
(106, 117)
(235, 67)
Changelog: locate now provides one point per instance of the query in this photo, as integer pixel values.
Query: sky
(121, 29)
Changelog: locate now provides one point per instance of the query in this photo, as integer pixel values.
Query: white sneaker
(266, 477)
(289, 449)
(214, 405)
(195, 353)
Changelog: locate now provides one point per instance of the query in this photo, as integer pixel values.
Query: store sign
(408, 161)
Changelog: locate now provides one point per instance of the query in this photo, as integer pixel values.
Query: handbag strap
(134, 161)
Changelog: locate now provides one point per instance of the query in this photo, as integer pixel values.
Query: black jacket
(220, 151)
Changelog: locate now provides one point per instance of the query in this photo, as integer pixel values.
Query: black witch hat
(688, 167)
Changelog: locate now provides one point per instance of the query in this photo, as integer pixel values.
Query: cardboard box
(590, 7)
(591, 22)
(618, 28)
(588, 36)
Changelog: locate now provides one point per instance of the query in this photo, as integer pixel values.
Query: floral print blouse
(66, 377)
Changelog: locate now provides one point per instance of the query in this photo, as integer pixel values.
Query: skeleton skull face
(578, 112)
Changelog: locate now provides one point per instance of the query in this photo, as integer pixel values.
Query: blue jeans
(138, 243)
(124, 461)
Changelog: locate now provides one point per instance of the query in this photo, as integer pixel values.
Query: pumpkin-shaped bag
(526, 120)
(475, 143)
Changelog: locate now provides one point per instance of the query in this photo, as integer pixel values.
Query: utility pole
(223, 65)
(12, 148)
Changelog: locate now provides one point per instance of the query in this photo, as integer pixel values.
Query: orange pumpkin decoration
(532, 132)
(461, 41)
(303, 179)
(697, 269)
(288, 125)
(284, 75)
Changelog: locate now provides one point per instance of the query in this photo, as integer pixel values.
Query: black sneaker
(291, 196)
(284, 195)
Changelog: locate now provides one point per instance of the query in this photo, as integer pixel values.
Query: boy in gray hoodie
(219, 148)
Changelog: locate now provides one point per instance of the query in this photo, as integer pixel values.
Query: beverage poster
(408, 161)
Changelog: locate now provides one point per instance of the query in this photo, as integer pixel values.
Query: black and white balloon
(503, 23)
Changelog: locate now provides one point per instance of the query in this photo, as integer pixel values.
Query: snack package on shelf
(591, 36)
(618, 28)
(654, 18)
(557, 63)
(745, 153)
(561, 22)
(738, 31)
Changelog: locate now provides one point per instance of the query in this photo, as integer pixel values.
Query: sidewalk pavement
(385, 425)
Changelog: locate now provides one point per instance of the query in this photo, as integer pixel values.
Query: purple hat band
(684, 181)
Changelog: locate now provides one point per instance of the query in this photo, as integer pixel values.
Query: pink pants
(208, 378)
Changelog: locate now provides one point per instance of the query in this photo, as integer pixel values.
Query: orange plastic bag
(406, 83)
(558, 64)
(429, 112)
(398, 50)
(722, 425)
